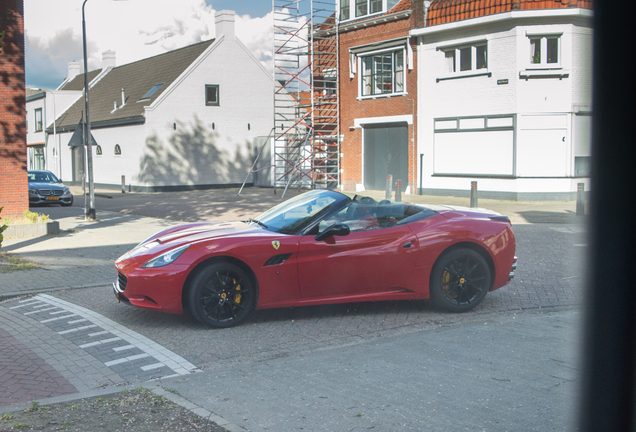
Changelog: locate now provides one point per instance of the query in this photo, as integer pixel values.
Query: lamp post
(90, 213)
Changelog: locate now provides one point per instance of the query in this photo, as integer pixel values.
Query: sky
(134, 29)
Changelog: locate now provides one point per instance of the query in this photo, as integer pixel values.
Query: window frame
(543, 50)
(364, 6)
(394, 73)
(38, 122)
(458, 57)
(218, 95)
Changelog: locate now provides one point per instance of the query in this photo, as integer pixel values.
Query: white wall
(543, 105)
(196, 152)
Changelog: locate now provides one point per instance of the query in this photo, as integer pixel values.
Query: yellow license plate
(52, 198)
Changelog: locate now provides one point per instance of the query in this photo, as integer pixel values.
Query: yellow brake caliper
(237, 297)
(445, 281)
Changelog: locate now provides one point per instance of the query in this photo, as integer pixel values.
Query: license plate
(116, 293)
(52, 198)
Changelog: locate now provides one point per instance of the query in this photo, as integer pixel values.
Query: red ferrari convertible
(318, 248)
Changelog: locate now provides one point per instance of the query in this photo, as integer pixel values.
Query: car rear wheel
(460, 280)
(222, 295)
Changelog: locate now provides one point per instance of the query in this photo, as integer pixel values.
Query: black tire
(222, 295)
(460, 280)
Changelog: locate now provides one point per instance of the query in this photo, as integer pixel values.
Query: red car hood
(189, 234)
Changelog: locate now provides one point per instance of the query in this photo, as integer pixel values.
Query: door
(363, 261)
(385, 152)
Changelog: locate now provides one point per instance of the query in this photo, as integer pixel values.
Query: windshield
(296, 213)
(42, 177)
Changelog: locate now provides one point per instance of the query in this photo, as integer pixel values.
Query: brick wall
(13, 165)
(352, 108)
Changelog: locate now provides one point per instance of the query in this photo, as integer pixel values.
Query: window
(212, 95)
(152, 91)
(466, 58)
(98, 150)
(544, 51)
(38, 120)
(344, 10)
(383, 73)
(117, 149)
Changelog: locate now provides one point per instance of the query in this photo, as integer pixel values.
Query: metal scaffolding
(306, 100)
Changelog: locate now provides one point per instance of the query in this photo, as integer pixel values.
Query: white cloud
(134, 29)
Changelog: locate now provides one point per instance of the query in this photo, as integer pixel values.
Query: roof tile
(443, 11)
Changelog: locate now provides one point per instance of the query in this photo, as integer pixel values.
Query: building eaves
(133, 80)
(445, 11)
(32, 94)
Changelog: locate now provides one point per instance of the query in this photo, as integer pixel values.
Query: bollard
(473, 194)
(580, 202)
(123, 184)
(398, 191)
(389, 187)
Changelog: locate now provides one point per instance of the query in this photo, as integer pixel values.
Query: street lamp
(90, 213)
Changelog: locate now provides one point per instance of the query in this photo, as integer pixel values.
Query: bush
(2, 228)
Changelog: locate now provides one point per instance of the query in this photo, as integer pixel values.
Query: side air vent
(277, 259)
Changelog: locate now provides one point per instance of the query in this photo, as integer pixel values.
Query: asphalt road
(508, 365)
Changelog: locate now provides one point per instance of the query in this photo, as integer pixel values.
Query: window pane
(212, 95)
(465, 58)
(553, 50)
(376, 6)
(344, 9)
(361, 7)
(535, 51)
(450, 60)
(482, 57)
(366, 75)
(399, 71)
(38, 120)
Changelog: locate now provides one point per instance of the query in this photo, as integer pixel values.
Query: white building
(189, 118)
(505, 99)
(42, 107)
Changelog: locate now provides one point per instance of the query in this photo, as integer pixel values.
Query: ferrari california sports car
(317, 248)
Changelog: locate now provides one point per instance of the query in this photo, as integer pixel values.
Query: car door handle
(407, 245)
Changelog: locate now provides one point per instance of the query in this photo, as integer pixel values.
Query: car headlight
(34, 191)
(166, 258)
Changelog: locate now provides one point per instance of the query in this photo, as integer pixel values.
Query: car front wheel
(460, 280)
(222, 295)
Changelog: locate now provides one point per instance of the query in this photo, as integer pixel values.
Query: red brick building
(13, 166)
(378, 92)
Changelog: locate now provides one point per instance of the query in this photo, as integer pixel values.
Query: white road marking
(135, 340)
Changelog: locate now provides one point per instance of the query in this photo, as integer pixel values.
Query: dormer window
(152, 91)
(362, 8)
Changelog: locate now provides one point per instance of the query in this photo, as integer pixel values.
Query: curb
(7, 296)
(34, 229)
(196, 409)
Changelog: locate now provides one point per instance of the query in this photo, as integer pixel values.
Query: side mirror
(339, 229)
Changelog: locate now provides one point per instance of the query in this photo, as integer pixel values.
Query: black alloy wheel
(222, 295)
(460, 280)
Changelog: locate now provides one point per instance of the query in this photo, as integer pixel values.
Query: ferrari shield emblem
(276, 244)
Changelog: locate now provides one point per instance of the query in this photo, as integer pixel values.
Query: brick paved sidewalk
(25, 376)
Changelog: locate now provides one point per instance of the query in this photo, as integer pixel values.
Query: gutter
(128, 121)
(500, 17)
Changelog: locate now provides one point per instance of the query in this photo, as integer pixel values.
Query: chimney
(224, 23)
(73, 70)
(108, 60)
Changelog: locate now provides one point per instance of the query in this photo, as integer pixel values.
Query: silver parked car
(45, 188)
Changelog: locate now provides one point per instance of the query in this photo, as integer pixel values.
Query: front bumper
(157, 289)
(36, 198)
